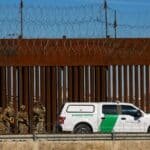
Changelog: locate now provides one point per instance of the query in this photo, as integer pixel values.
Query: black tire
(82, 129)
(148, 131)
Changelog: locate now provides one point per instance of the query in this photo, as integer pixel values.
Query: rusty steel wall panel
(147, 89)
(70, 84)
(1, 102)
(3, 82)
(103, 83)
(74, 52)
(114, 83)
(136, 87)
(93, 86)
(37, 72)
(48, 99)
(87, 83)
(81, 83)
(75, 83)
(42, 88)
(109, 84)
(54, 96)
(25, 82)
(20, 85)
(92, 83)
(15, 98)
(125, 84)
(59, 87)
(120, 97)
(142, 97)
(65, 82)
(9, 83)
(97, 84)
(31, 95)
(131, 100)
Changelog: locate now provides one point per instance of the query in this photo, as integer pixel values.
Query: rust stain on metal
(142, 87)
(147, 89)
(126, 98)
(136, 78)
(97, 83)
(131, 97)
(74, 52)
(120, 82)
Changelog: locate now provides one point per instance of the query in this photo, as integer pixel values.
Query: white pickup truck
(103, 117)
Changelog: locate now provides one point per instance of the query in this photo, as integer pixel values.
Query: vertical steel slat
(59, 88)
(103, 81)
(75, 84)
(136, 87)
(87, 83)
(142, 97)
(92, 83)
(120, 83)
(1, 87)
(54, 96)
(81, 83)
(70, 84)
(109, 83)
(97, 84)
(65, 98)
(14, 96)
(20, 86)
(9, 83)
(3, 78)
(25, 77)
(48, 99)
(31, 95)
(14, 89)
(125, 84)
(42, 80)
(131, 84)
(147, 90)
(37, 82)
(114, 82)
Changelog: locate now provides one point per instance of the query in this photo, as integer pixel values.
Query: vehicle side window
(80, 109)
(109, 109)
(128, 110)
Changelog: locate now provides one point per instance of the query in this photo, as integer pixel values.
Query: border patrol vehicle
(104, 117)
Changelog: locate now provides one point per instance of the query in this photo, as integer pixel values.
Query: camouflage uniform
(2, 126)
(23, 122)
(38, 118)
(9, 118)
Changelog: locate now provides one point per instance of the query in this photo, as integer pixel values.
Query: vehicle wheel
(82, 129)
(148, 131)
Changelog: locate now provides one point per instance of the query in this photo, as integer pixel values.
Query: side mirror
(138, 114)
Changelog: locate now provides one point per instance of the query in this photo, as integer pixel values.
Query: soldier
(2, 126)
(23, 121)
(41, 124)
(38, 117)
(9, 117)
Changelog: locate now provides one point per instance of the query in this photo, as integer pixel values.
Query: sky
(133, 16)
(126, 4)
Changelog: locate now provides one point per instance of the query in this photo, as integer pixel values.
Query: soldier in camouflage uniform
(2, 126)
(23, 122)
(38, 117)
(9, 118)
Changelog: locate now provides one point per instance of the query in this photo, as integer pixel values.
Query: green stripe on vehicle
(107, 124)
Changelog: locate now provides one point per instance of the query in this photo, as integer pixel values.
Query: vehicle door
(109, 119)
(131, 121)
